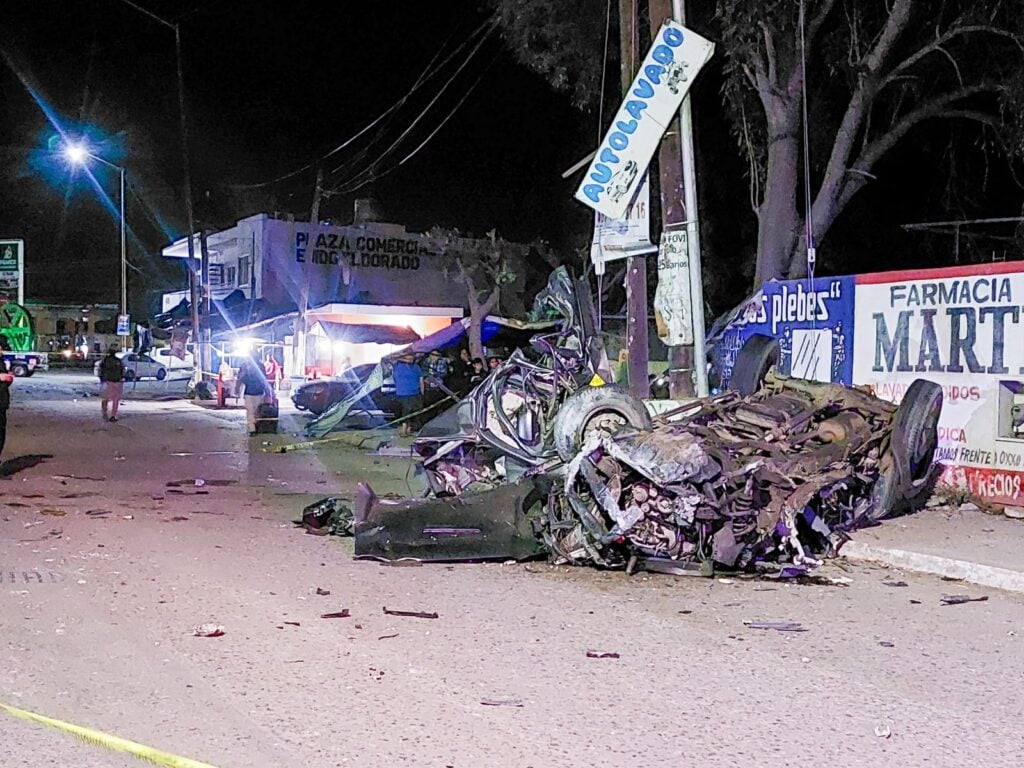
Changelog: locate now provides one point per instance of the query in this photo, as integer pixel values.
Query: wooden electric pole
(636, 266)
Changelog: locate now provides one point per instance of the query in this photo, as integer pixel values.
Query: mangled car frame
(739, 482)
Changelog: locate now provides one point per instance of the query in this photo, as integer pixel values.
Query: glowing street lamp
(78, 154)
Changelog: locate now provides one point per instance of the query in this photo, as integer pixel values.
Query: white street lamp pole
(78, 155)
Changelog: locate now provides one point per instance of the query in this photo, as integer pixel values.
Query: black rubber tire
(161, 374)
(582, 407)
(755, 358)
(129, 375)
(19, 370)
(906, 474)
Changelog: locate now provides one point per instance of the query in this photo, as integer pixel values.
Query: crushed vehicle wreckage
(542, 457)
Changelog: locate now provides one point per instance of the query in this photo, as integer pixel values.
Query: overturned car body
(779, 476)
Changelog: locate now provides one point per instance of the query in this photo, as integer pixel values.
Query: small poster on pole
(673, 307)
(124, 325)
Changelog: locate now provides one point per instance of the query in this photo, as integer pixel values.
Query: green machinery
(16, 328)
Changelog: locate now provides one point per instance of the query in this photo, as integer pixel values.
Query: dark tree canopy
(877, 71)
(560, 40)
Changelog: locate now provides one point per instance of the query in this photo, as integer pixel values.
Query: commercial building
(331, 286)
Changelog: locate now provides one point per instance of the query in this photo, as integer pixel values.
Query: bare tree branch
(940, 107)
(769, 50)
(940, 41)
(817, 21)
(857, 111)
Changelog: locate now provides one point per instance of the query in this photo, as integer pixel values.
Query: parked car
(138, 367)
(172, 362)
(319, 395)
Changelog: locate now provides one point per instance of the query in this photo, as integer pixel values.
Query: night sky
(270, 86)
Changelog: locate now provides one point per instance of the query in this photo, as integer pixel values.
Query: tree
(562, 41)
(482, 267)
(877, 70)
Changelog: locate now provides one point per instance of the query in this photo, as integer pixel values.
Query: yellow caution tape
(115, 743)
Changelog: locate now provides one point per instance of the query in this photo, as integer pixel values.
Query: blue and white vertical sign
(675, 58)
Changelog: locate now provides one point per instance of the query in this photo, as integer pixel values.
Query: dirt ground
(105, 570)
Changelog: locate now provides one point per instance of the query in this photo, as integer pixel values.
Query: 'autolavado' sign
(674, 59)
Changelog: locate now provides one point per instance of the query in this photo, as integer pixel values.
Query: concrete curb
(975, 573)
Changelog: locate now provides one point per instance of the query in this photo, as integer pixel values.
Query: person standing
(6, 380)
(253, 382)
(408, 389)
(435, 378)
(112, 378)
(478, 373)
(272, 370)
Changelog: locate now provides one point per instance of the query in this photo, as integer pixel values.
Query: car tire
(906, 471)
(161, 374)
(755, 358)
(19, 370)
(587, 408)
(129, 375)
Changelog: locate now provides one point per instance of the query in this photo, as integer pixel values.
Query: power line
(423, 143)
(384, 155)
(428, 74)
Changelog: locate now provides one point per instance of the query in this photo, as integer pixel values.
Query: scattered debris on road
(342, 614)
(411, 614)
(603, 655)
(778, 626)
(208, 630)
(883, 731)
(322, 592)
(961, 599)
(501, 703)
(889, 583)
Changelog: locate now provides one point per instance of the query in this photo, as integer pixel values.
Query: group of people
(420, 386)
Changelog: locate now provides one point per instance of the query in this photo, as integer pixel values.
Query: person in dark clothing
(6, 380)
(461, 371)
(253, 382)
(112, 378)
(478, 374)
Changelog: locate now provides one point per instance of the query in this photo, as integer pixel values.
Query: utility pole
(686, 363)
(301, 326)
(197, 370)
(636, 266)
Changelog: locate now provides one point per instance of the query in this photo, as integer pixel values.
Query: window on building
(244, 270)
(216, 274)
(231, 276)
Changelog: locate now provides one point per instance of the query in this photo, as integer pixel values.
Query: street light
(78, 154)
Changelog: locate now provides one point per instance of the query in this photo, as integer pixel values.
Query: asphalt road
(106, 570)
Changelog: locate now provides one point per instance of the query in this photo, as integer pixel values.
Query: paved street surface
(104, 572)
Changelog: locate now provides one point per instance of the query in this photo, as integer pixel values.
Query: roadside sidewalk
(953, 543)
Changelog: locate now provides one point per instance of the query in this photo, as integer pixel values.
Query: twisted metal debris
(781, 475)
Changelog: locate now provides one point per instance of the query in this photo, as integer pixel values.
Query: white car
(138, 367)
(164, 356)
